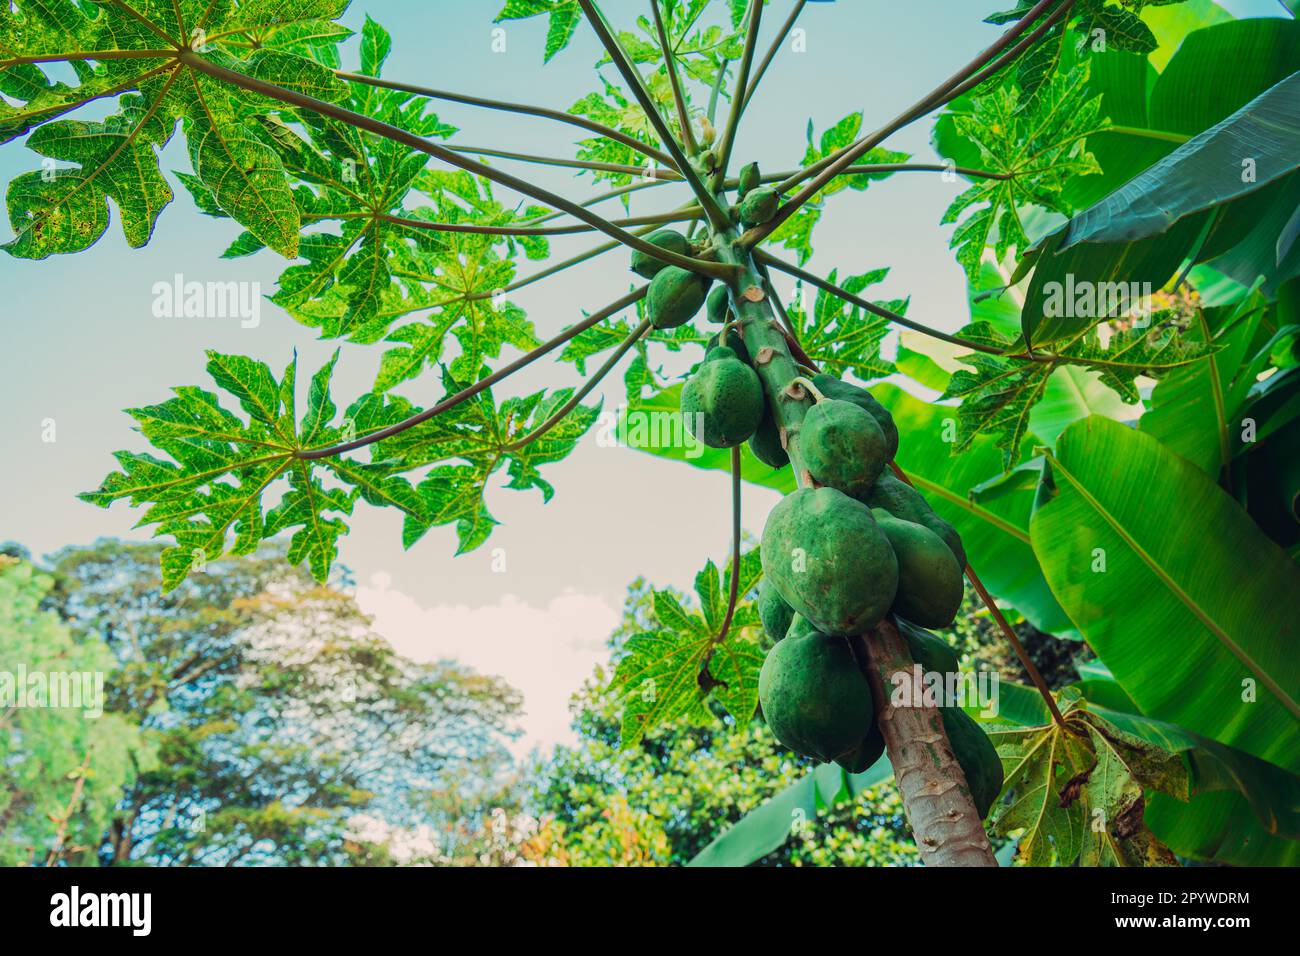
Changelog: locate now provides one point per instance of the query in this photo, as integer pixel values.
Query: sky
(537, 602)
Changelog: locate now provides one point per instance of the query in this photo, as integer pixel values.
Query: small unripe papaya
(674, 297)
(842, 446)
(933, 653)
(832, 387)
(897, 497)
(814, 698)
(718, 306)
(723, 401)
(976, 755)
(864, 756)
(949, 535)
(758, 206)
(765, 443)
(749, 179)
(734, 341)
(831, 562)
(775, 614)
(930, 584)
(646, 265)
(903, 501)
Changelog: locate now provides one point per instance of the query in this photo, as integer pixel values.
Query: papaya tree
(1114, 232)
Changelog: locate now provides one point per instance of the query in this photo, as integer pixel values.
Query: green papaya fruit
(977, 756)
(646, 265)
(773, 612)
(832, 387)
(842, 446)
(749, 179)
(930, 585)
(949, 535)
(800, 626)
(723, 401)
(830, 560)
(758, 206)
(865, 754)
(814, 698)
(933, 653)
(897, 497)
(765, 443)
(734, 341)
(674, 297)
(718, 305)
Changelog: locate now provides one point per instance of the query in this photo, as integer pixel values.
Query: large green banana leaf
(1176, 589)
(1203, 172)
(770, 824)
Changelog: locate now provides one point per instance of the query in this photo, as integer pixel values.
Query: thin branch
(694, 212)
(479, 386)
(939, 95)
(576, 398)
(733, 591)
(581, 121)
(721, 78)
(87, 55)
(633, 78)
(771, 51)
(871, 307)
(378, 127)
(679, 97)
(623, 168)
(742, 84)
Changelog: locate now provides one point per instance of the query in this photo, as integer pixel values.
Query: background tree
(286, 730)
(62, 772)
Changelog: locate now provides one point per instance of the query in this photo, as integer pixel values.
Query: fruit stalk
(936, 797)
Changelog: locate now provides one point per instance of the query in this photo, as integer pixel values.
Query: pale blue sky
(81, 341)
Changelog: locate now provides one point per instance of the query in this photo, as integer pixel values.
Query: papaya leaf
(1040, 148)
(65, 209)
(843, 337)
(671, 673)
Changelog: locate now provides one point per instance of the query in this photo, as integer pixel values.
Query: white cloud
(546, 653)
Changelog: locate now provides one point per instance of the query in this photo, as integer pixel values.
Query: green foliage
(671, 670)
(64, 760)
(285, 728)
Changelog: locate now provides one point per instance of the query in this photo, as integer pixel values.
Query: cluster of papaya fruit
(854, 545)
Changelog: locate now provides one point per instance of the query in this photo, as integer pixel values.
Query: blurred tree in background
(285, 730)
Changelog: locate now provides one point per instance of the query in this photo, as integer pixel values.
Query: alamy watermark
(918, 687)
(60, 690)
(647, 428)
(179, 299)
(1098, 300)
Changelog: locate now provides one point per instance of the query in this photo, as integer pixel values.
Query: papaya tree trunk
(945, 823)
(936, 797)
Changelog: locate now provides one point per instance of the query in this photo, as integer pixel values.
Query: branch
(640, 171)
(828, 167)
(693, 212)
(581, 121)
(742, 84)
(410, 140)
(871, 307)
(771, 52)
(733, 591)
(479, 386)
(679, 98)
(576, 398)
(633, 78)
